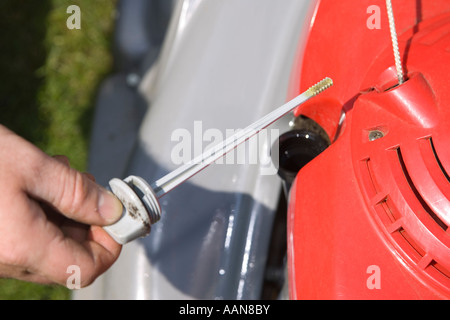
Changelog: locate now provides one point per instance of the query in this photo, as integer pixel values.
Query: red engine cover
(369, 217)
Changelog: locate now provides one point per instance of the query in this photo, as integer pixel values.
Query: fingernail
(109, 207)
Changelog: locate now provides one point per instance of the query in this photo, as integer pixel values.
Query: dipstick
(181, 174)
(141, 207)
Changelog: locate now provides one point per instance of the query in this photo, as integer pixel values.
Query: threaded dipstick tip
(320, 86)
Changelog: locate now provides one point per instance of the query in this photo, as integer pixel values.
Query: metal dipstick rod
(141, 200)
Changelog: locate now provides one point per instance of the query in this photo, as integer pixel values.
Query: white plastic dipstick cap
(139, 212)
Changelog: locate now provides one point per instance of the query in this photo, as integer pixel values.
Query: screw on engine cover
(375, 134)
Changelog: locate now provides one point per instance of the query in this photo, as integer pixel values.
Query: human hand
(51, 217)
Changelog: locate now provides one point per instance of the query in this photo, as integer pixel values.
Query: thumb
(73, 194)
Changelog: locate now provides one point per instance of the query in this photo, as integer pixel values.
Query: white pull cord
(398, 62)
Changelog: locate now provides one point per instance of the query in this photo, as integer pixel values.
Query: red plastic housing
(369, 218)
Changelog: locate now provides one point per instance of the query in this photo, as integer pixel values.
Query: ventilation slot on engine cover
(389, 214)
(418, 254)
(438, 160)
(417, 194)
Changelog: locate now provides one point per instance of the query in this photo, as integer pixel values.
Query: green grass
(49, 76)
